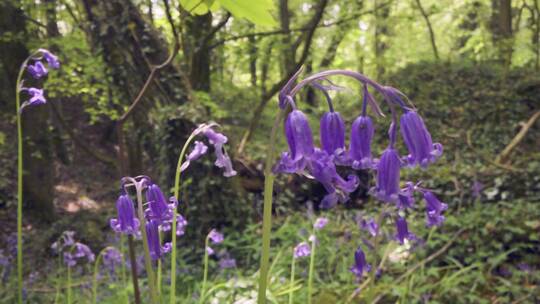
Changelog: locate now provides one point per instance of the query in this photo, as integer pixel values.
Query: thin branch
(430, 28)
(300, 29)
(154, 69)
(216, 28)
(424, 261)
(517, 139)
(34, 21)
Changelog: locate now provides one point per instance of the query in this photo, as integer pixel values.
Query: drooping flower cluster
(158, 215)
(217, 140)
(304, 158)
(302, 250)
(72, 251)
(112, 258)
(38, 70)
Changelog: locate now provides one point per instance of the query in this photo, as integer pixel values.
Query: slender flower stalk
(267, 210)
(313, 240)
(176, 194)
(291, 294)
(205, 268)
(68, 285)
(139, 185)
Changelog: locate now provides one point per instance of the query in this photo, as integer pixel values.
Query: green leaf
(257, 12)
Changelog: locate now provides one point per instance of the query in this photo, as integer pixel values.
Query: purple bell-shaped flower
(403, 231)
(126, 222)
(362, 132)
(388, 170)
(300, 140)
(154, 245)
(422, 150)
(434, 209)
(360, 265)
(332, 133)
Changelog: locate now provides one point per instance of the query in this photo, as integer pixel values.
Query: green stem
(176, 193)
(205, 271)
(59, 278)
(19, 181)
(133, 262)
(123, 269)
(267, 210)
(147, 259)
(311, 265)
(159, 272)
(68, 285)
(291, 294)
(94, 277)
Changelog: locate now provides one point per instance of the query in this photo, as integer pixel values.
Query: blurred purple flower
(126, 222)
(403, 231)
(302, 250)
(320, 223)
(223, 160)
(227, 262)
(215, 236)
(77, 252)
(36, 97)
(434, 209)
(370, 226)
(51, 59)
(181, 224)
(422, 151)
(360, 265)
(209, 250)
(111, 259)
(405, 196)
(37, 70)
(477, 188)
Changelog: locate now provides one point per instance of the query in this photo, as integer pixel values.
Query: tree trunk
(38, 165)
(501, 29)
(130, 46)
(198, 28)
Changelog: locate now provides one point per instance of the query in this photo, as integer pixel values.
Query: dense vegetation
(137, 77)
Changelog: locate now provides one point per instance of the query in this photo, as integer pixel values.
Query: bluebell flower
(198, 151)
(36, 97)
(422, 151)
(300, 141)
(154, 244)
(181, 224)
(302, 250)
(360, 265)
(405, 196)
(222, 158)
(332, 133)
(434, 209)
(209, 250)
(388, 171)
(370, 226)
(323, 169)
(111, 259)
(362, 132)
(51, 59)
(402, 229)
(159, 209)
(126, 222)
(77, 252)
(37, 70)
(320, 223)
(215, 236)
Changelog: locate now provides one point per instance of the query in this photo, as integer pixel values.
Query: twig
(517, 139)
(300, 29)
(425, 261)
